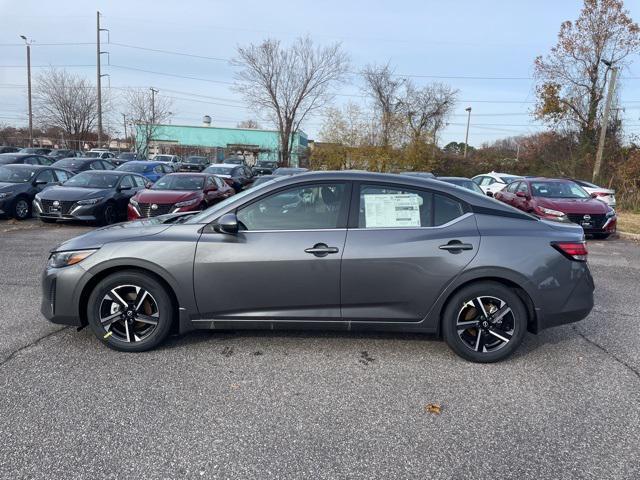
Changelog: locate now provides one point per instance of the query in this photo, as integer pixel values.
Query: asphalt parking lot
(316, 405)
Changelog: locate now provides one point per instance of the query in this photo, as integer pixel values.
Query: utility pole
(99, 75)
(153, 105)
(124, 122)
(466, 137)
(28, 44)
(605, 120)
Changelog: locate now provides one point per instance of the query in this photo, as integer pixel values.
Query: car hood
(12, 187)
(574, 205)
(166, 196)
(113, 233)
(72, 193)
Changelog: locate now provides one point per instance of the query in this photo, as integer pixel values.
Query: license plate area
(55, 211)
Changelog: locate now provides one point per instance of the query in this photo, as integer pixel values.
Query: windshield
(92, 154)
(219, 170)
(135, 167)
(16, 175)
(162, 158)
(206, 215)
(468, 184)
(126, 156)
(69, 163)
(265, 163)
(509, 178)
(558, 190)
(235, 161)
(93, 180)
(179, 182)
(199, 160)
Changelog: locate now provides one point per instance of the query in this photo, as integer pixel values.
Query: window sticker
(392, 210)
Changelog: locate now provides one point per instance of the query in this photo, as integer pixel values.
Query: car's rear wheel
(21, 209)
(130, 311)
(484, 322)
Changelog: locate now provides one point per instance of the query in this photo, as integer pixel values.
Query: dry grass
(629, 222)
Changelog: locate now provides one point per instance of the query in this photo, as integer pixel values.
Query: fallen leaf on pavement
(433, 408)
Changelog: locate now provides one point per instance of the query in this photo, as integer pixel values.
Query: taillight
(572, 250)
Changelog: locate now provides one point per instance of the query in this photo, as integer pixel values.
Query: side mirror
(123, 188)
(594, 195)
(39, 182)
(228, 223)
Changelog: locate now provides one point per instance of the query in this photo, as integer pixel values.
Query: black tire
(114, 334)
(21, 208)
(601, 236)
(109, 214)
(512, 325)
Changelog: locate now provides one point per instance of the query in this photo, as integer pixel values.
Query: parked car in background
(462, 182)
(24, 158)
(80, 164)
(605, 195)
(35, 150)
(175, 160)
(59, 153)
(560, 199)
(20, 183)
(194, 163)
(265, 178)
(289, 171)
(234, 161)
(493, 182)
(8, 149)
(179, 192)
(418, 174)
(149, 169)
(124, 157)
(92, 196)
(265, 167)
(105, 154)
(258, 260)
(238, 176)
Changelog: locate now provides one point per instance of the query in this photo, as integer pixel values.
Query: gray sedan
(339, 250)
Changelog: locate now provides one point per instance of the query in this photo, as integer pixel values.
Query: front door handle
(321, 250)
(456, 246)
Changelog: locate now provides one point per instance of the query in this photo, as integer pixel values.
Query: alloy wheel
(110, 215)
(22, 209)
(485, 324)
(129, 313)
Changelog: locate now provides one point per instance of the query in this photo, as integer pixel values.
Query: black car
(81, 164)
(234, 161)
(462, 182)
(60, 153)
(20, 183)
(36, 150)
(289, 171)
(238, 176)
(265, 167)
(8, 149)
(124, 157)
(97, 196)
(194, 164)
(24, 158)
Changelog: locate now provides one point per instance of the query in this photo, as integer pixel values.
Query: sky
(483, 48)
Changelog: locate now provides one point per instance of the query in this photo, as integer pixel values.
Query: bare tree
(384, 90)
(289, 83)
(146, 111)
(572, 77)
(250, 123)
(68, 102)
(426, 109)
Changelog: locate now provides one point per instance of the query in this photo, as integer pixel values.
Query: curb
(628, 236)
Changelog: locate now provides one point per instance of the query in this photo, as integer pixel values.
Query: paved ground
(316, 405)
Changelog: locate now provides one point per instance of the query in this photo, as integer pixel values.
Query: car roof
(546, 179)
(228, 165)
(142, 162)
(109, 172)
(453, 178)
(189, 174)
(18, 154)
(22, 166)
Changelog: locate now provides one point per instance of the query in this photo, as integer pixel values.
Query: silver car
(340, 250)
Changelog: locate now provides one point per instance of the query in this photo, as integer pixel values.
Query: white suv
(493, 182)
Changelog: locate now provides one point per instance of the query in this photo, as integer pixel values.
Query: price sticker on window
(392, 210)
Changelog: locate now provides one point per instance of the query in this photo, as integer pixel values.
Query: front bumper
(61, 290)
(84, 213)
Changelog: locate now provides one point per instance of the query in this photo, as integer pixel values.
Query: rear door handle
(321, 250)
(456, 246)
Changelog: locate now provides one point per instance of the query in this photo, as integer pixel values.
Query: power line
(171, 74)
(169, 52)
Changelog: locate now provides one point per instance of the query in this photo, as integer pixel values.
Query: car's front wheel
(130, 311)
(484, 322)
(21, 208)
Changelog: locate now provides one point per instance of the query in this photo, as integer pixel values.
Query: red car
(178, 192)
(560, 199)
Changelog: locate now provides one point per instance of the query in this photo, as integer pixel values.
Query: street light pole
(605, 120)
(466, 137)
(124, 122)
(28, 44)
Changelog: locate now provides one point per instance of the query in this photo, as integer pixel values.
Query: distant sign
(392, 210)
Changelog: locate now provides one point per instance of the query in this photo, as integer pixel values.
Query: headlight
(186, 203)
(90, 201)
(548, 211)
(65, 259)
(611, 213)
(5, 195)
(133, 202)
